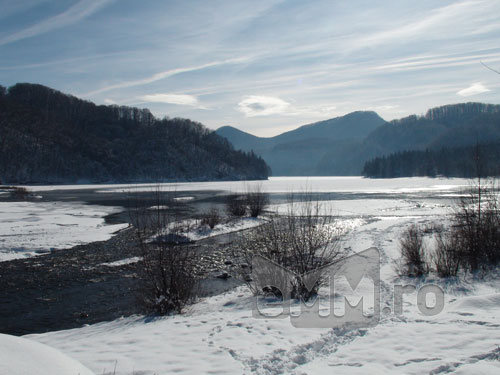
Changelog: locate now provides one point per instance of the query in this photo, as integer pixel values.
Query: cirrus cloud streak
(180, 99)
(77, 12)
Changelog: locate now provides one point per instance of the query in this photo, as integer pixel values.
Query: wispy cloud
(165, 74)
(75, 61)
(179, 99)
(442, 20)
(249, 64)
(77, 12)
(474, 89)
(438, 62)
(254, 106)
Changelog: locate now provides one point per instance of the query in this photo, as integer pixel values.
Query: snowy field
(219, 335)
(33, 228)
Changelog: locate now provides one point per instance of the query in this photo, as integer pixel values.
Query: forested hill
(343, 145)
(442, 142)
(50, 137)
(453, 125)
(471, 161)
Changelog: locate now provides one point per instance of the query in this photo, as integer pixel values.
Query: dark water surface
(69, 288)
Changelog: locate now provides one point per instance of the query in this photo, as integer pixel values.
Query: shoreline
(70, 288)
(75, 287)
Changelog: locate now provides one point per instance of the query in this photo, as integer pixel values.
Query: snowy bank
(195, 231)
(19, 356)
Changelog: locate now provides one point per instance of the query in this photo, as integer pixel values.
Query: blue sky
(264, 66)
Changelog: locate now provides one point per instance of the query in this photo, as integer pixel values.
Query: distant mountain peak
(298, 151)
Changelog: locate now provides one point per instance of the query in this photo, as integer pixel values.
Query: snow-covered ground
(219, 335)
(122, 262)
(194, 230)
(378, 208)
(19, 356)
(31, 228)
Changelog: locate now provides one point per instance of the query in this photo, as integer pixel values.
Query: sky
(263, 66)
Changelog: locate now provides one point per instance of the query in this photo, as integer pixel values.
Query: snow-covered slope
(19, 356)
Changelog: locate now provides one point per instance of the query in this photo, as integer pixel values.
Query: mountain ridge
(294, 133)
(453, 125)
(281, 153)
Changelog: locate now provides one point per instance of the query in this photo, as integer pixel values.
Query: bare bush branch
(211, 218)
(413, 253)
(236, 205)
(257, 200)
(167, 275)
(490, 68)
(476, 226)
(446, 257)
(303, 240)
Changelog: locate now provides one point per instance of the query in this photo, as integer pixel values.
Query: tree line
(470, 161)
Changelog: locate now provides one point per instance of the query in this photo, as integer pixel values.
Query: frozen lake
(289, 184)
(215, 334)
(65, 220)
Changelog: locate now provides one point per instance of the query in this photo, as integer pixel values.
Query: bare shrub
(433, 228)
(18, 192)
(302, 241)
(414, 259)
(257, 200)
(211, 218)
(472, 242)
(446, 257)
(167, 277)
(476, 226)
(236, 205)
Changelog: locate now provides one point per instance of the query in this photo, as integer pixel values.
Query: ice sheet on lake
(367, 207)
(31, 228)
(288, 184)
